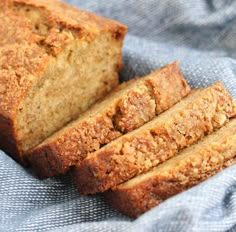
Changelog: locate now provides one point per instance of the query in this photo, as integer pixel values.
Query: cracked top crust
(25, 49)
(69, 16)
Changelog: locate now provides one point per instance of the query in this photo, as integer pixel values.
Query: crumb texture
(191, 119)
(191, 166)
(48, 75)
(128, 107)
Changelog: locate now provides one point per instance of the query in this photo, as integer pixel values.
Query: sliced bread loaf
(188, 168)
(125, 109)
(55, 61)
(138, 151)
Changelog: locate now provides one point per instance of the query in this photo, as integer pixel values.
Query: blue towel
(202, 36)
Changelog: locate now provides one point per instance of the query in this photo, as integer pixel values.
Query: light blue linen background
(202, 36)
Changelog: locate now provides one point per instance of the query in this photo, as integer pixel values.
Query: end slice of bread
(191, 119)
(128, 107)
(188, 168)
(55, 61)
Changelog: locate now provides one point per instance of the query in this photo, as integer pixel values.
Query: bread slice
(188, 168)
(138, 151)
(125, 109)
(55, 61)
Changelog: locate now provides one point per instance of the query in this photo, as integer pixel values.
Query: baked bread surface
(126, 108)
(197, 115)
(191, 166)
(55, 61)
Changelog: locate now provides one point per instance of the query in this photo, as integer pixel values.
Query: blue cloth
(202, 35)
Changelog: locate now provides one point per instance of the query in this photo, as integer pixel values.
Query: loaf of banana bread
(55, 61)
(188, 168)
(125, 109)
(138, 151)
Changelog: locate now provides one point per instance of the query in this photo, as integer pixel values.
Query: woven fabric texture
(202, 36)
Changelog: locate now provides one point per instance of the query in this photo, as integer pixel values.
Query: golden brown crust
(74, 18)
(7, 137)
(125, 111)
(201, 161)
(25, 51)
(134, 202)
(18, 67)
(164, 87)
(15, 31)
(59, 155)
(185, 123)
(27, 43)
